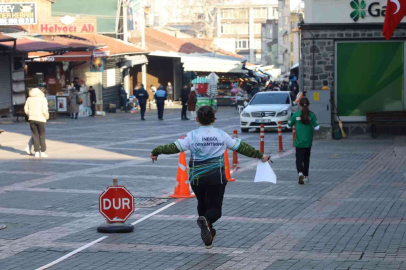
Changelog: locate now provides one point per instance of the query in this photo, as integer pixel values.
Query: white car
(268, 108)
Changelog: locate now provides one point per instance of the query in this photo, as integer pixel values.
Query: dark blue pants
(143, 108)
(160, 107)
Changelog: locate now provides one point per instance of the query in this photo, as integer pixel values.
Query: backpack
(195, 100)
(79, 99)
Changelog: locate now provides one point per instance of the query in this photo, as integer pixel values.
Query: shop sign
(350, 11)
(374, 9)
(68, 25)
(51, 81)
(97, 64)
(18, 13)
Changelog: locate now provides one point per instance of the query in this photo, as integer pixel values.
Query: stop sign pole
(116, 204)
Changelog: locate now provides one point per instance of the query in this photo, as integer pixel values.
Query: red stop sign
(116, 204)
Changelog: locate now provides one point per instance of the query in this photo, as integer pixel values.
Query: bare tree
(201, 14)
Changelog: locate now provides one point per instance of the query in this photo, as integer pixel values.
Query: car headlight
(283, 113)
(245, 114)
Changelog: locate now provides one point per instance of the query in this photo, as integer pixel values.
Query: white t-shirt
(207, 142)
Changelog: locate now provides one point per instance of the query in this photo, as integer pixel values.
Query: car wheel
(244, 130)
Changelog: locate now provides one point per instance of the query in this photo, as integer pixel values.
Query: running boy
(207, 175)
(305, 122)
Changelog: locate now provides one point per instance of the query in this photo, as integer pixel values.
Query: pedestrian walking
(184, 95)
(169, 92)
(36, 108)
(123, 96)
(142, 96)
(305, 122)
(153, 88)
(191, 103)
(73, 103)
(160, 97)
(207, 173)
(92, 94)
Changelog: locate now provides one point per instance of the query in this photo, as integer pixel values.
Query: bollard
(262, 142)
(235, 156)
(294, 134)
(280, 137)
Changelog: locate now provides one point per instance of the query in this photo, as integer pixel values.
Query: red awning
(78, 56)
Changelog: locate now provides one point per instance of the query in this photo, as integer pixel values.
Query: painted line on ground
(104, 237)
(72, 253)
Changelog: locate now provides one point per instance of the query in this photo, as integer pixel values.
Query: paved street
(352, 214)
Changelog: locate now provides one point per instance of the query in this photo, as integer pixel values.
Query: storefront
(343, 49)
(6, 98)
(228, 71)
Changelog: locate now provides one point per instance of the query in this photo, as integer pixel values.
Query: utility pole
(144, 66)
(126, 71)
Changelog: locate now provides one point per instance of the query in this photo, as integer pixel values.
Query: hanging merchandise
(213, 81)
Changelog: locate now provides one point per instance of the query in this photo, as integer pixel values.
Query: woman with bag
(305, 122)
(36, 108)
(191, 103)
(207, 173)
(73, 104)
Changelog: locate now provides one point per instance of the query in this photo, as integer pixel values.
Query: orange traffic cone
(182, 189)
(227, 167)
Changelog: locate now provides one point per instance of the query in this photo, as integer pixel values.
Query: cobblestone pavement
(350, 216)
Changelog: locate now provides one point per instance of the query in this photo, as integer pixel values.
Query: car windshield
(271, 98)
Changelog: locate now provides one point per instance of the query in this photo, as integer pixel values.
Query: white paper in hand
(264, 173)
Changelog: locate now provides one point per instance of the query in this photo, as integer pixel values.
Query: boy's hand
(266, 158)
(154, 158)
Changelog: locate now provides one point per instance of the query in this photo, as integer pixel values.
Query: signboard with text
(67, 25)
(18, 13)
(345, 11)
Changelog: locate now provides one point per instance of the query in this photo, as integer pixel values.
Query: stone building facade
(318, 49)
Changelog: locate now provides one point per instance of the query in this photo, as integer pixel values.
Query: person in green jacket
(207, 173)
(305, 122)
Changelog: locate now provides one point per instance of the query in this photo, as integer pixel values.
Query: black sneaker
(301, 178)
(143, 119)
(187, 118)
(213, 236)
(206, 234)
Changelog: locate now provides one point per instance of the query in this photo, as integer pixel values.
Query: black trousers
(74, 115)
(209, 200)
(184, 109)
(38, 135)
(93, 106)
(303, 160)
(160, 107)
(143, 108)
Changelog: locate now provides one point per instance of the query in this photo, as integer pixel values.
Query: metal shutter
(111, 93)
(5, 84)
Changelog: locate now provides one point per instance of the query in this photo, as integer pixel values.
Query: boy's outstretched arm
(166, 149)
(249, 151)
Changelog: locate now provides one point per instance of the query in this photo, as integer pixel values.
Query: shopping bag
(264, 173)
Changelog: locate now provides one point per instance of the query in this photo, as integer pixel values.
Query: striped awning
(200, 80)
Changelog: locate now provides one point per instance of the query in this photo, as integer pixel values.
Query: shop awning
(78, 56)
(130, 61)
(197, 62)
(207, 64)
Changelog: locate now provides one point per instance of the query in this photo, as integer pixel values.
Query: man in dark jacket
(184, 95)
(92, 93)
(142, 95)
(123, 97)
(255, 90)
(160, 97)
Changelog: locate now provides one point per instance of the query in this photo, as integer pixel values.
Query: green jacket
(304, 133)
(244, 149)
